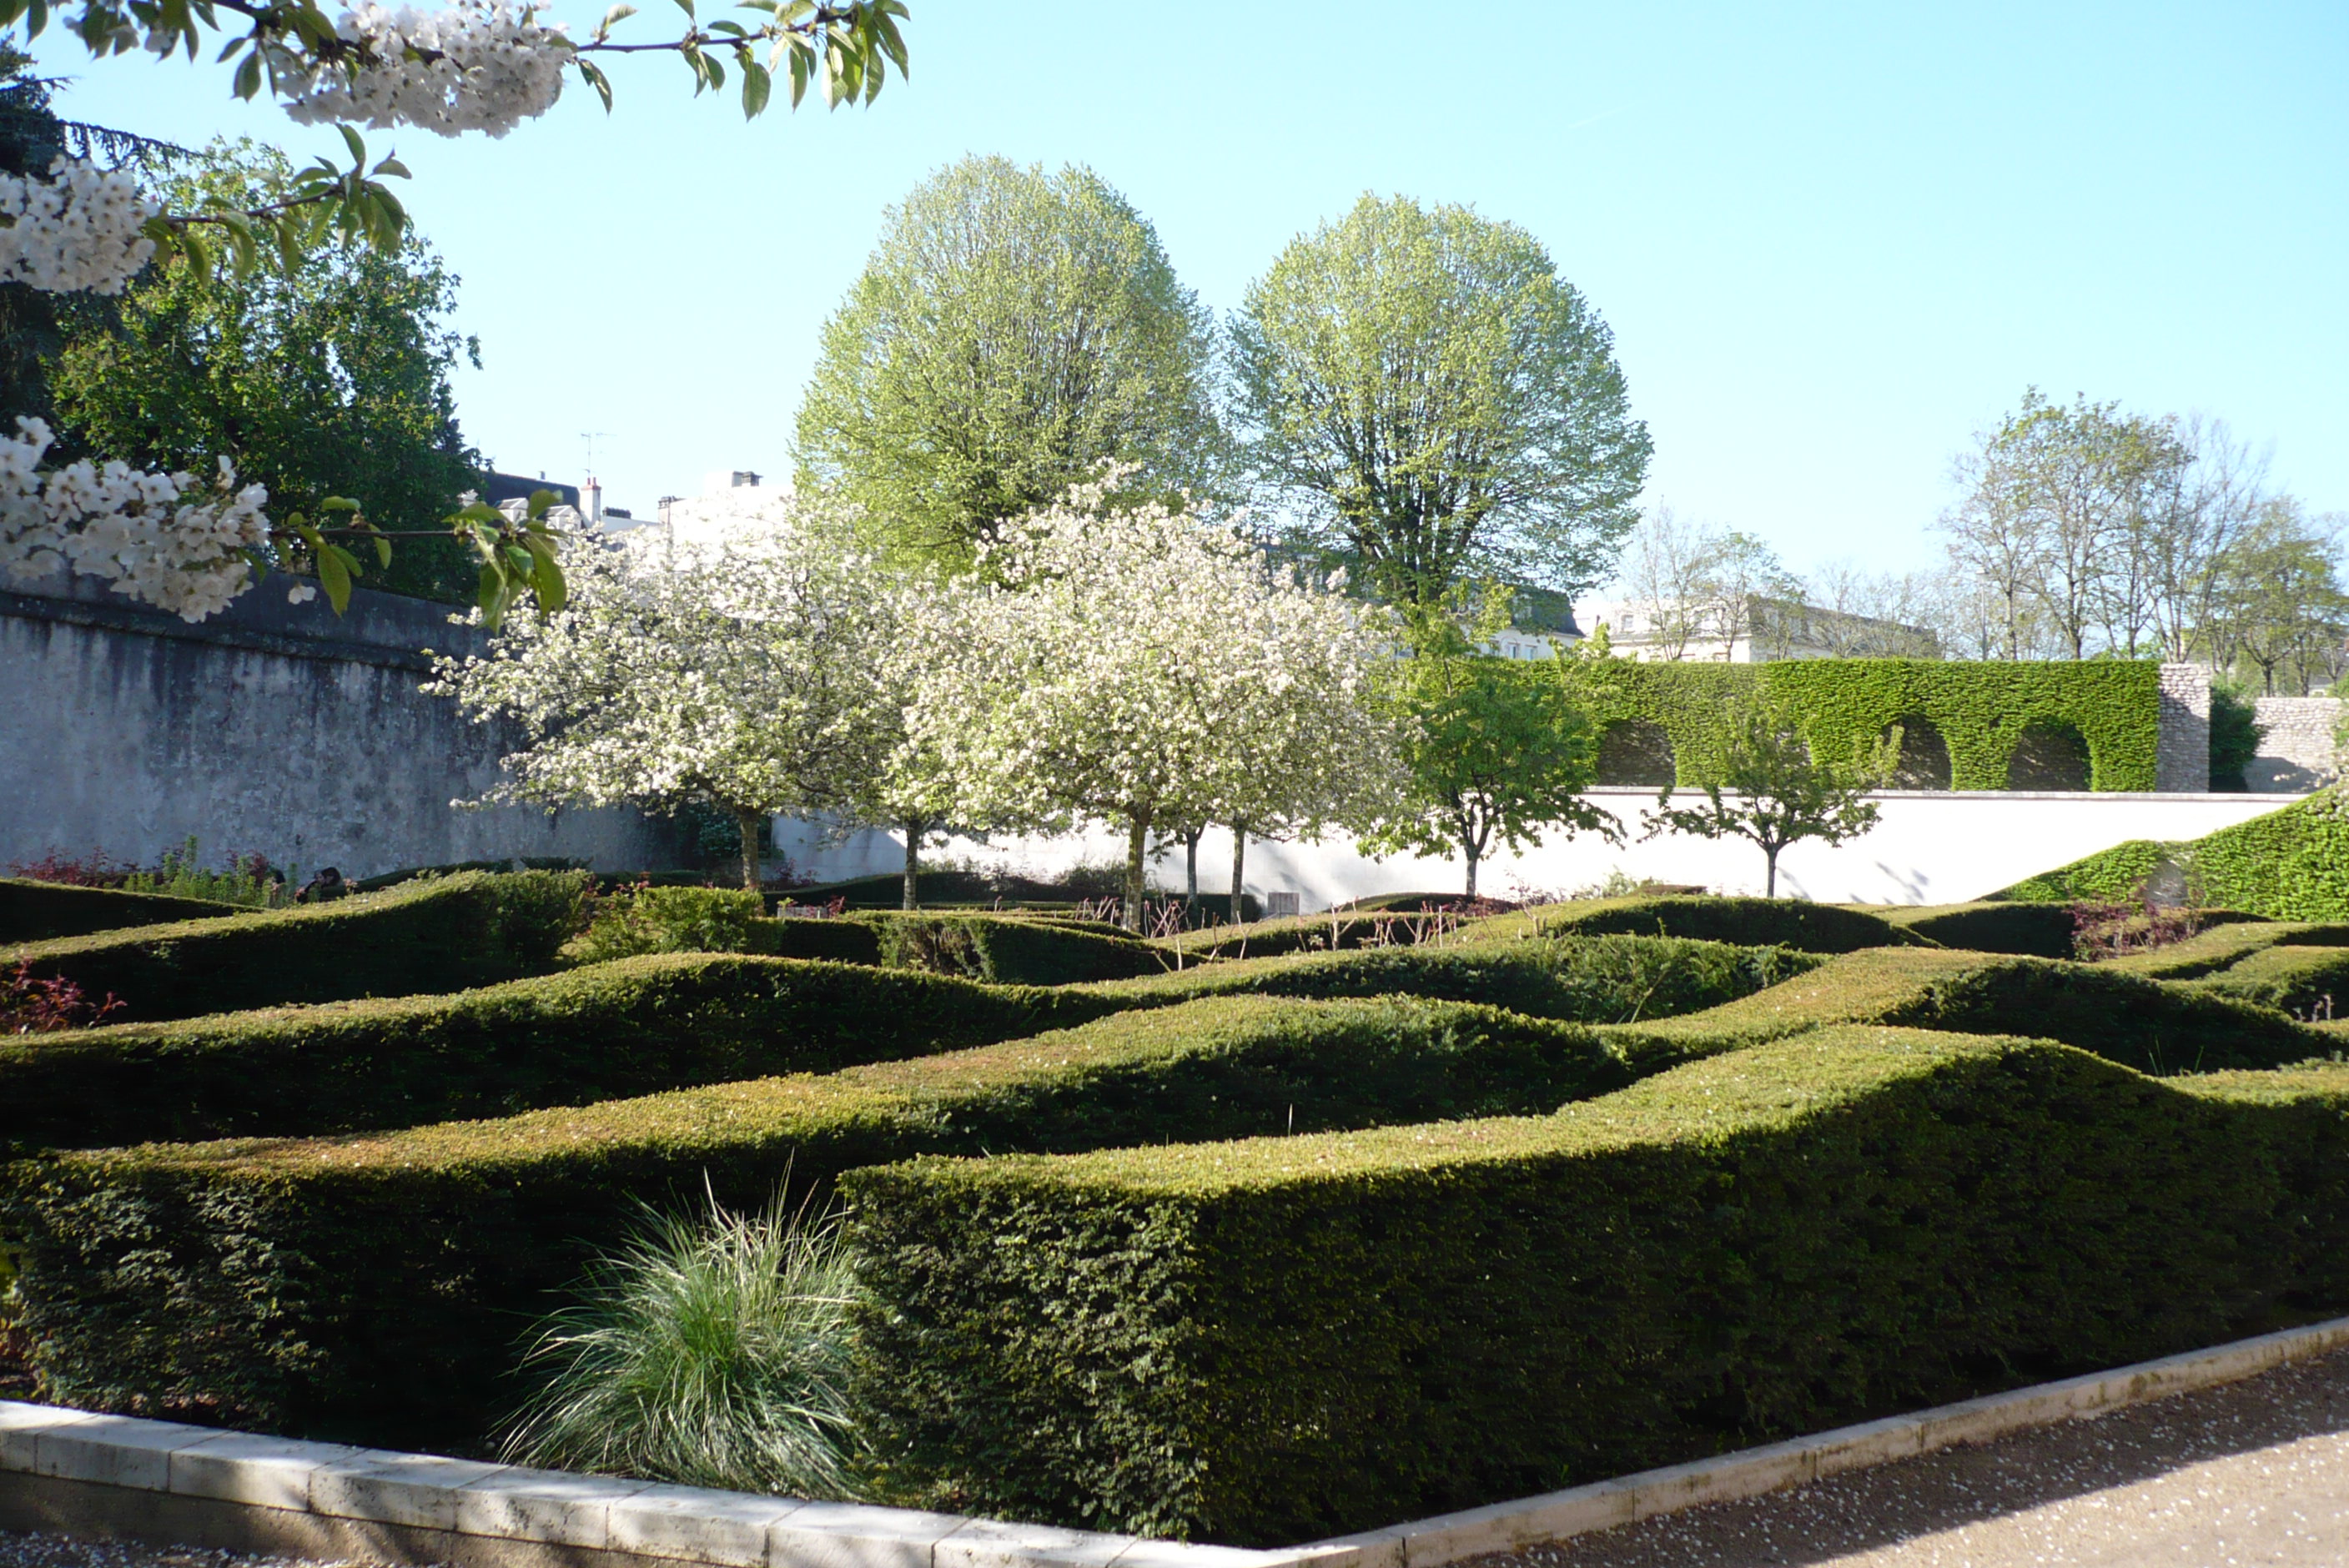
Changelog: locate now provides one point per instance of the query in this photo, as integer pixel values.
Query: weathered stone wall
(2296, 747)
(2182, 758)
(271, 728)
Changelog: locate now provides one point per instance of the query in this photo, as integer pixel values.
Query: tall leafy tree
(1439, 401)
(1012, 330)
(330, 379)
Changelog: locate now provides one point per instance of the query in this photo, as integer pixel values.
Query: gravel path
(61, 1551)
(2256, 1473)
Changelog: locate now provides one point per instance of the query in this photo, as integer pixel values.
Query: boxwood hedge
(2034, 930)
(1009, 950)
(631, 1026)
(1582, 979)
(37, 911)
(2307, 982)
(1743, 921)
(434, 935)
(1282, 1339)
(374, 1286)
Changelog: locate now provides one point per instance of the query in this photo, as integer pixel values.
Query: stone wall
(2182, 760)
(271, 728)
(2296, 745)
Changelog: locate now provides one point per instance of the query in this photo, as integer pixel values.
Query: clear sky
(1831, 240)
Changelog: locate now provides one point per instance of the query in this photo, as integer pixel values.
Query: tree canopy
(330, 379)
(1012, 330)
(1439, 401)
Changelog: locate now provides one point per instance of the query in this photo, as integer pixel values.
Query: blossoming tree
(189, 542)
(741, 675)
(1138, 667)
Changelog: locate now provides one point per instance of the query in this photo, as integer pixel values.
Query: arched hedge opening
(2050, 754)
(1924, 761)
(1636, 753)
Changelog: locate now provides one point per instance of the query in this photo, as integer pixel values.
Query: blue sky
(1832, 241)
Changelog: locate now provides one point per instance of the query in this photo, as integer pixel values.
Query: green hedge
(2306, 981)
(436, 935)
(1008, 950)
(1741, 922)
(2033, 929)
(2289, 864)
(1284, 1339)
(2222, 946)
(2126, 1018)
(37, 911)
(374, 1288)
(1980, 708)
(628, 1027)
(1591, 980)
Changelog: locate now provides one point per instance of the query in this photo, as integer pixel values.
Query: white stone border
(640, 1519)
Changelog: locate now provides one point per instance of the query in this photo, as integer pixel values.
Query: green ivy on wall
(1980, 709)
(2289, 864)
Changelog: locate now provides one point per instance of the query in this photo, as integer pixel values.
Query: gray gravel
(2256, 1473)
(64, 1551)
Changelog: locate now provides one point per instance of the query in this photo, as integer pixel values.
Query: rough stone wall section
(271, 728)
(2182, 759)
(2296, 747)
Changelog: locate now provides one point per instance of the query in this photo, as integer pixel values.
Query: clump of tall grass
(711, 1350)
(248, 879)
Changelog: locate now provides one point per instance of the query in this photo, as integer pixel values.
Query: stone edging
(437, 1503)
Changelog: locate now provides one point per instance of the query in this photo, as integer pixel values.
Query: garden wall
(2296, 747)
(1929, 847)
(271, 728)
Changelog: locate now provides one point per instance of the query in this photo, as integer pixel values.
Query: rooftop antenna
(591, 438)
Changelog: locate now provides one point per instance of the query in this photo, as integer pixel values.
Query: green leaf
(37, 18)
(248, 75)
(757, 87)
(334, 578)
(358, 148)
(597, 79)
(338, 504)
(547, 581)
(617, 13)
(383, 551)
(492, 595)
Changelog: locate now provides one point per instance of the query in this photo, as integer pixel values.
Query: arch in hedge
(1924, 761)
(2050, 753)
(1636, 752)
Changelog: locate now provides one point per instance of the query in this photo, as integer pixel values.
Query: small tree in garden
(1770, 789)
(1134, 666)
(742, 676)
(1490, 754)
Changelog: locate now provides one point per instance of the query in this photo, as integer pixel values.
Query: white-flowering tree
(191, 545)
(742, 675)
(1139, 668)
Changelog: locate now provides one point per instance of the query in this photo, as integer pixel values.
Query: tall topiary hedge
(1283, 1339)
(37, 911)
(1980, 709)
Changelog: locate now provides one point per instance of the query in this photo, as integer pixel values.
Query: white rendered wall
(1938, 847)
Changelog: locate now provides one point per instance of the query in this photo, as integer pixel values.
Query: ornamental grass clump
(710, 1351)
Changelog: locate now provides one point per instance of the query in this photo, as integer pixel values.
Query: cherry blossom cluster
(79, 229)
(479, 65)
(169, 540)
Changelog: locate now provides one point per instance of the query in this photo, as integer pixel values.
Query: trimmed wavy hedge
(2033, 929)
(2289, 864)
(1741, 922)
(2306, 981)
(636, 1026)
(375, 1287)
(1282, 1339)
(1982, 709)
(37, 911)
(436, 935)
(1579, 979)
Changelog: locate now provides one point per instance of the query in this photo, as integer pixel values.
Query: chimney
(591, 502)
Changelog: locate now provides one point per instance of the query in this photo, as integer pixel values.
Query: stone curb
(633, 1520)
(1750, 1472)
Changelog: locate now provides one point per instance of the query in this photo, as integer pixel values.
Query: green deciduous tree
(1491, 755)
(1769, 790)
(328, 379)
(1440, 401)
(1012, 330)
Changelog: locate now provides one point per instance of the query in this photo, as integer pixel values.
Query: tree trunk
(1137, 832)
(1472, 871)
(1191, 869)
(1239, 864)
(1770, 881)
(912, 899)
(748, 822)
